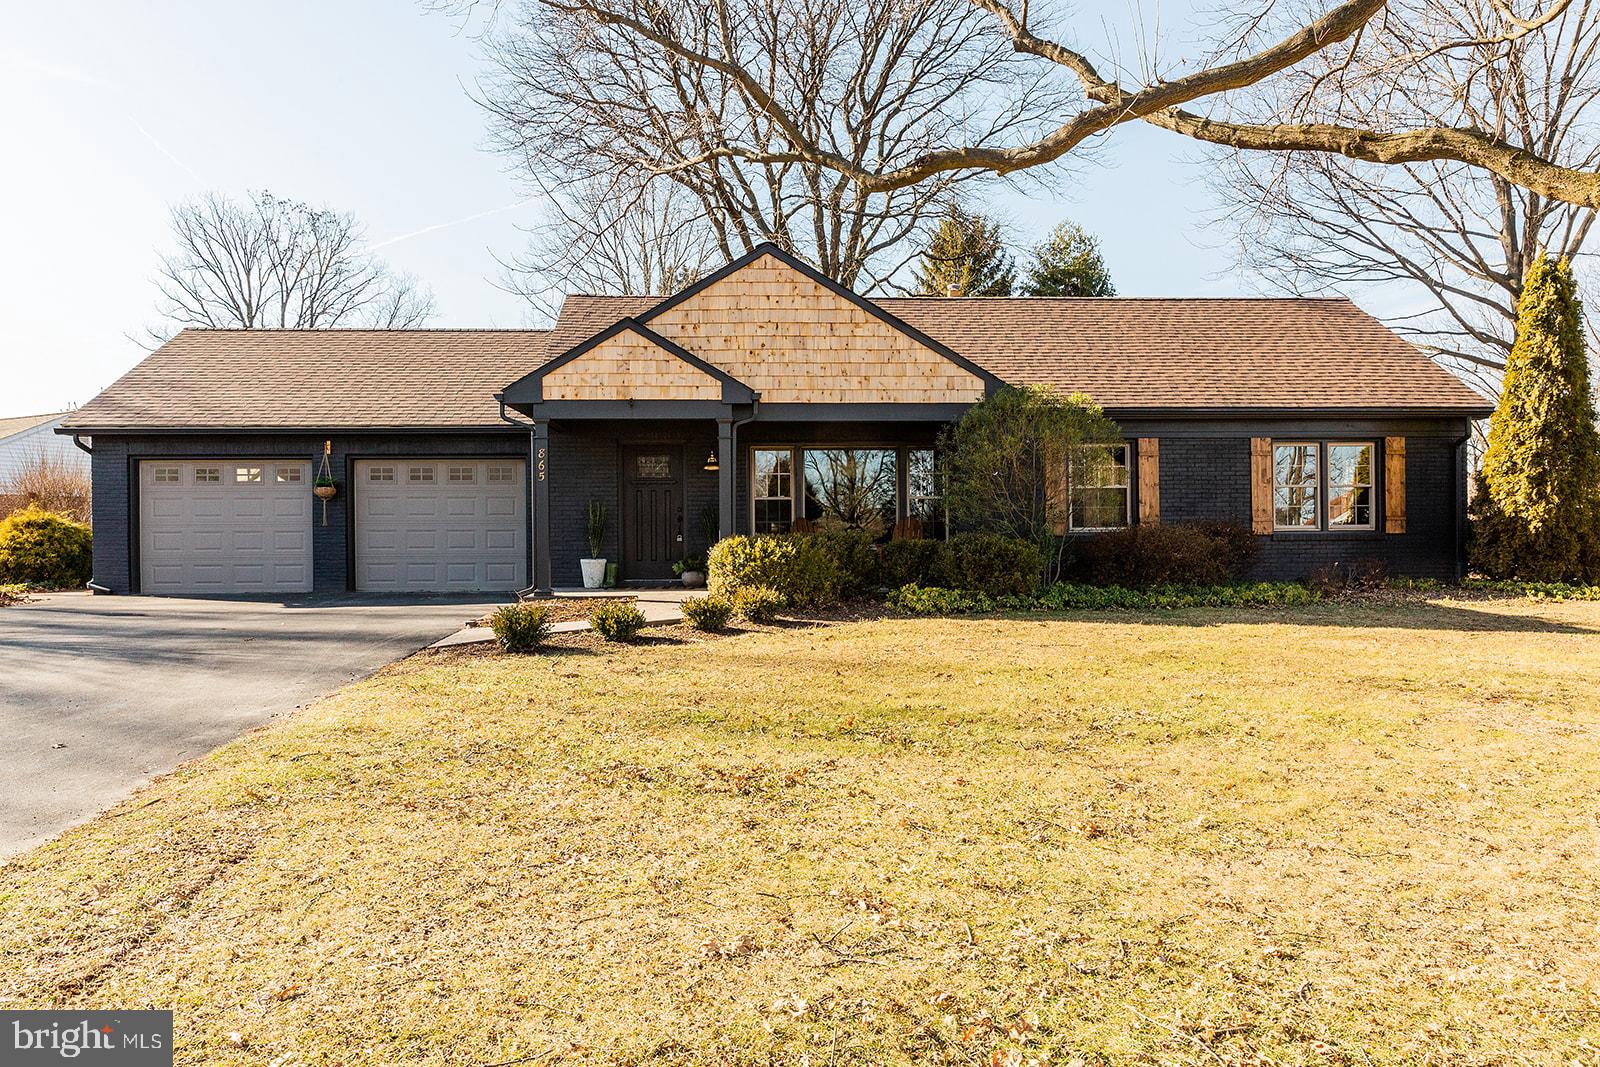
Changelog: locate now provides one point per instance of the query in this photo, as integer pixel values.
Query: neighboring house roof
(22, 423)
(1132, 355)
(318, 380)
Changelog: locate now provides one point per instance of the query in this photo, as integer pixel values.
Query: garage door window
(290, 474)
(247, 475)
(166, 475)
(207, 474)
(501, 472)
(463, 474)
(380, 474)
(421, 474)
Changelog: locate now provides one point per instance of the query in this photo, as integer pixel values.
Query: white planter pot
(594, 572)
(693, 579)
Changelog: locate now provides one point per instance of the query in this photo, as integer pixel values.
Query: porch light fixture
(711, 461)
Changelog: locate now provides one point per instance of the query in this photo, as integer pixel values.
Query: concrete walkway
(660, 607)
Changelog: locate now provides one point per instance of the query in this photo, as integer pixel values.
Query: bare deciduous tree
(278, 263)
(587, 105)
(1459, 239)
(615, 237)
(729, 44)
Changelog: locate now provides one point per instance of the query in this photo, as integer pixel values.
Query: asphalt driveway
(99, 694)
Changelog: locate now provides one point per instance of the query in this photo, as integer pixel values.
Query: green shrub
(617, 621)
(854, 556)
(1142, 556)
(42, 549)
(1068, 596)
(1532, 590)
(990, 564)
(521, 627)
(909, 562)
(709, 613)
(796, 565)
(759, 603)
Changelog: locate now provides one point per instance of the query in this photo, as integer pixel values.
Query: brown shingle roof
(319, 379)
(1130, 354)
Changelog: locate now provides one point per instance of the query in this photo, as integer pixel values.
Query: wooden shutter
(1394, 485)
(1261, 484)
(1149, 481)
(1055, 488)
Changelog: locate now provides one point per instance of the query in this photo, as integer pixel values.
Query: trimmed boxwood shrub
(521, 627)
(709, 613)
(42, 549)
(758, 603)
(990, 564)
(618, 621)
(1139, 557)
(796, 565)
(854, 556)
(909, 562)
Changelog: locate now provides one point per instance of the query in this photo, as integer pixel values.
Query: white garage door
(225, 526)
(437, 526)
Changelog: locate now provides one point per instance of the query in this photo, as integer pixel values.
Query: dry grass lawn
(1338, 835)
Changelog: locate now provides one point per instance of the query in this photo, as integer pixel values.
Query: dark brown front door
(652, 511)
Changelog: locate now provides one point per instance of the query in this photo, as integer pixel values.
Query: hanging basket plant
(323, 484)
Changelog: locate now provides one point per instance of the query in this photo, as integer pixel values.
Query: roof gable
(23, 423)
(627, 361)
(795, 336)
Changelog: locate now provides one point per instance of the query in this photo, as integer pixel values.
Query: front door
(652, 511)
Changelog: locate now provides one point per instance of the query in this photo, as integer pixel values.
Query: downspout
(94, 586)
(733, 446)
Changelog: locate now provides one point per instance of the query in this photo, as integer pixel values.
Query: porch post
(540, 456)
(725, 482)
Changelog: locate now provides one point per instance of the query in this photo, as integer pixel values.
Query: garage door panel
(438, 535)
(197, 535)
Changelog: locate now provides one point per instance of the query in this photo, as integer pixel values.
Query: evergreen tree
(966, 256)
(1068, 263)
(1536, 514)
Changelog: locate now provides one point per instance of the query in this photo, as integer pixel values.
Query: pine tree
(965, 256)
(1068, 263)
(1536, 514)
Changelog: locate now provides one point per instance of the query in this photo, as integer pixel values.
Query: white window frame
(501, 473)
(794, 460)
(1320, 498)
(247, 475)
(376, 473)
(1371, 485)
(287, 473)
(421, 473)
(166, 475)
(208, 476)
(1126, 448)
(461, 474)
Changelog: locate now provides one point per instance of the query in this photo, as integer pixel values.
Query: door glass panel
(653, 466)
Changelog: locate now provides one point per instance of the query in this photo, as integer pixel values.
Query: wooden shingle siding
(796, 342)
(1261, 484)
(1394, 485)
(1149, 481)
(629, 367)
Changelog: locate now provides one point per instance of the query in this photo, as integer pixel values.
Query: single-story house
(765, 397)
(27, 438)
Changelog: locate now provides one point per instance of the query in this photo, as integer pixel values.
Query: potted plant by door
(692, 570)
(594, 568)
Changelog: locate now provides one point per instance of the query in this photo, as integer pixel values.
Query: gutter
(77, 439)
(1459, 481)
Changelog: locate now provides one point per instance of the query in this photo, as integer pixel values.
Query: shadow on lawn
(1415, 615)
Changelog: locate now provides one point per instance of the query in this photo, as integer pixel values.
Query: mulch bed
(568, 609)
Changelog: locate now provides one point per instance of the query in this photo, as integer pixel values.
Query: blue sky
(115, 110)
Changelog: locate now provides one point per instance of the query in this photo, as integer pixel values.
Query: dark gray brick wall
(1208, 479)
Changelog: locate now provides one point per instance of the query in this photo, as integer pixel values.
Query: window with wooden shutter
(1261, 484)
(1394, 485)
(1149, 481)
